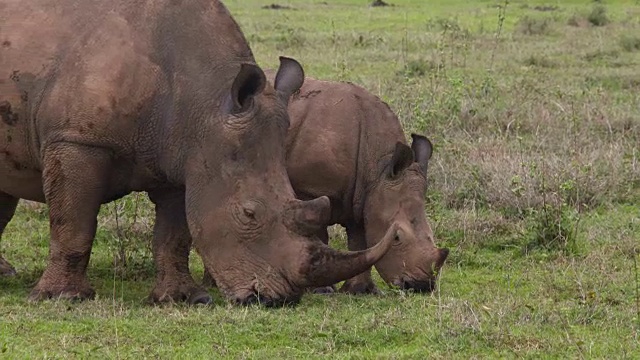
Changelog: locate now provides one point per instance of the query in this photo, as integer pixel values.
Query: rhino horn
(308, 217)
(327, 266)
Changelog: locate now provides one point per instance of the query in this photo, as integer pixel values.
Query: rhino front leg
(360, 284)
(171, 246)
(75, 183)
(8, 206)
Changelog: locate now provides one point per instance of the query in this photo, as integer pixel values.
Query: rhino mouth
(408, 283)
(281, 287)
(282, 293)
(267, 301)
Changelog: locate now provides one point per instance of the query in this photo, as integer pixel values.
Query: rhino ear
(422, 150)
(443, 253)
(289, 78)
(402, 158)
(249, 82)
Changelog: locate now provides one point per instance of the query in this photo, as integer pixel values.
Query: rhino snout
(268, 301)
(420, 286)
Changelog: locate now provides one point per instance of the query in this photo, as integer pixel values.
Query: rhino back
(339, 132)
(134, 76)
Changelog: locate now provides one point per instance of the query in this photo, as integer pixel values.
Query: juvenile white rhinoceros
(345, 143)
(99, 98)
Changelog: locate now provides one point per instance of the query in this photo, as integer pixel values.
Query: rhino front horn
(327, 266)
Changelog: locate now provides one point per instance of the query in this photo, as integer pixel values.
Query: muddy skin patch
(6, 43)
(15, 75)
(16, 165)
(7, 116)
(310, 94)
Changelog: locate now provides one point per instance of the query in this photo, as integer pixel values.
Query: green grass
(535, 186)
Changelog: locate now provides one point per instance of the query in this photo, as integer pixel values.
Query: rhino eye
(414, 221)
(251, 210)
(250, 213)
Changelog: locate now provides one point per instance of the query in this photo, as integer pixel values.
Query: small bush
(613, 82)
(376, 3)
(276, 7)
(545, 8)
(538, 61)
(367, 40)
(417, 68)
(554, 227)
(443, 24)
(284, 37)
(533, 26)
(598, 16)
(449, 26)
(601, 55)
(577, 21)
(630, 43)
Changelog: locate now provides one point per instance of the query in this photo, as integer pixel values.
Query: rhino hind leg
(362, 283)
(8, 206)
(208, 280)
(75, 180)
(171, 247)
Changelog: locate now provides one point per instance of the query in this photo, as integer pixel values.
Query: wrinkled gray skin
(101, 98)
(345, 143)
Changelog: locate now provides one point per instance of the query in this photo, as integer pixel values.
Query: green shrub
(417, 68)
(554, 228)
(598, 16)
(533, 26)
(538, 61)
(630, 43)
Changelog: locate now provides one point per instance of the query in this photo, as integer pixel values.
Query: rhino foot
(324, 290)
(192, 295)
(359, 288)
(65, 290)
(5, 268)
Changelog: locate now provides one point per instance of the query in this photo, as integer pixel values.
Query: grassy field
(534, 111)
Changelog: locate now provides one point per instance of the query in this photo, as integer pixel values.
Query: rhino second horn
(308, 217)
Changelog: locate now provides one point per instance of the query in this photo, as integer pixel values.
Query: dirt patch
(276, 7)
(546, 8)
(379, 3)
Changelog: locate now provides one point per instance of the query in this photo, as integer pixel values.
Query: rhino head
(254, 237)
(397, 196)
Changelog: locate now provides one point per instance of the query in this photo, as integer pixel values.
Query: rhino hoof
(189, 295)
(71, 293)
(324, 290)
(6, 269)
(200, 298)
(360, 289)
